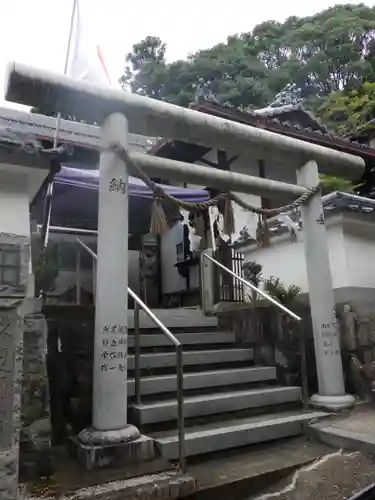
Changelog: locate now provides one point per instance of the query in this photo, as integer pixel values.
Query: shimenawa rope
(158, 219)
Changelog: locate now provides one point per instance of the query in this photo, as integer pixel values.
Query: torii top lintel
(86, 101)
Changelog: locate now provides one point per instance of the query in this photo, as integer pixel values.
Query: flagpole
(49, 193)
(58, 119)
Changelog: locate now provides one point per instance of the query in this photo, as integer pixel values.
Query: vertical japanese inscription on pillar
(117, 185)
(113, 348)
(7, 379)
(330, 336)
(320, 219)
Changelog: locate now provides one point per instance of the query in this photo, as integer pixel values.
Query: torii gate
(119, 111)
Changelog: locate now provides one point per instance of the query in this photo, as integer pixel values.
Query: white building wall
(247, 165)
(18, 186)
(14, 204)
(359, 249)
(286, 260)
(242, 217)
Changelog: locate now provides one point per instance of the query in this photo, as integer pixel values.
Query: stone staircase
(229, 403)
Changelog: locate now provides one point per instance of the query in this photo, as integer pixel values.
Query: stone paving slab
(169, 485)
(234, 474)
(70, 476)
(354, 430)
(337, 476)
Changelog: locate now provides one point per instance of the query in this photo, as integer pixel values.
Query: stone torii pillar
(111, 440)
(323, 313)
(111, 311)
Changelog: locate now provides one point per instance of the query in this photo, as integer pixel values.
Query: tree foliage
(328, 57)
(348, 110)
(320, 54)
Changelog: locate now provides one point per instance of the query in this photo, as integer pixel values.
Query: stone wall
(10, 395)
(357, 321)
(35, 440)
(275, 338)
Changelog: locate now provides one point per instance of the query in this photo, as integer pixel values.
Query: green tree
(145, 69)
(345, 111)
(235, 77)
(320, 54)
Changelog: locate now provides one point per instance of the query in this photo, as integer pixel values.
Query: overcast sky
(36, 31)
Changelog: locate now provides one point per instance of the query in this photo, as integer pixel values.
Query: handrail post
(207, 283)
(78, 275)
(94, 279)
(180, 405)
(137, 355)
(303, 365)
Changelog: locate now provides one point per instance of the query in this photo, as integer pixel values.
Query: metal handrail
(139, 304)
(283, 308)
(253, 287)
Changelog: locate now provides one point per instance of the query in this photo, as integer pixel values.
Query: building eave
(173, 149)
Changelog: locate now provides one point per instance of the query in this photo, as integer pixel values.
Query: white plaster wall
(242, 217)
(14, 204)
(274, 171)
(359, 249)
(286, 260)
(18, 186)
(248, 165)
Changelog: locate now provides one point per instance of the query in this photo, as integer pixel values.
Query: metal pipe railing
(253, 287)
(139, 304)
(281, 307)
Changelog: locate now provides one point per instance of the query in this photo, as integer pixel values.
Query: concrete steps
(223, 391)
(186, 339)
(200, 380)
(234, 433)
(175, 318)
(214, 403)
(205, 357)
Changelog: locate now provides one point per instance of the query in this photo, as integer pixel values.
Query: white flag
(85, 57)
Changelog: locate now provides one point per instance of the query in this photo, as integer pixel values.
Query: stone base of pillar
(104, 449)
(9, 474)
(332, 403)
(96, 437)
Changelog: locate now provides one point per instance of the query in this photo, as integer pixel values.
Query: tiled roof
(28, 130)
(285, 120)
(277, 110)
(288, 110)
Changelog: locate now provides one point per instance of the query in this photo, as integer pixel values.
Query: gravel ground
(337, 476)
